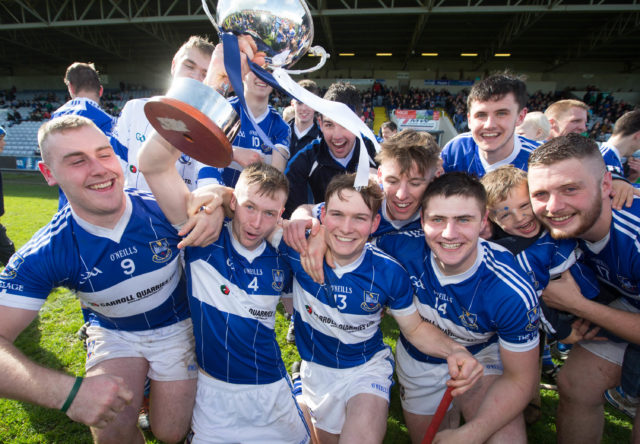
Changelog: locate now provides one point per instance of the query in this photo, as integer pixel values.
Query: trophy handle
(317, 51)
(208, 13)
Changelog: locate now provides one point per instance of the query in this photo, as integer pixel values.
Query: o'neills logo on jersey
(10, 270)
(161, 251)
(278, 279)
(133, 169)
(224, 289)
(309, 310)
(370, 301)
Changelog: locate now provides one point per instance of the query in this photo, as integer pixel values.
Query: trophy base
(189, 130)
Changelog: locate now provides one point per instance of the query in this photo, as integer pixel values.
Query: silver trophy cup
(199, 121)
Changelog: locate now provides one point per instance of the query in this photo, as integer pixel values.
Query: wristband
(72, 394)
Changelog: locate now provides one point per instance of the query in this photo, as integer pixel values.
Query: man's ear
(233, 202)
(607, 184)
(376, 223)
(323, 212)
(101, 91)
(46, 172)
(521, 115)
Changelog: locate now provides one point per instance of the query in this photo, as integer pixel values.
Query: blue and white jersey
(128, 277)
(130, 132)
(547, 258)
(616, 258)
(388, 225)
(233, 297)
(337, 324)
(612, 159)
(81, 106)
(491, 301)
(462, 154)
(273, 126)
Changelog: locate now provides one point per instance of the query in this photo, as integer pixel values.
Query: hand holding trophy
(196, 118)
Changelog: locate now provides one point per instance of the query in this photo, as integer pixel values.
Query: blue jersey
(129, 277)
(612, 160)
(547, 258)
(81, 106)
(337, 324)
(492, 301)
(273, 126)
(616, 258)
(233, 297)
(543, 259)
(462, 154)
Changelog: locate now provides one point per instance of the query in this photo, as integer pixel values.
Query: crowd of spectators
(604, 108)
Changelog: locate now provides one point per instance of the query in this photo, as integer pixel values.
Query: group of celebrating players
(181, 284)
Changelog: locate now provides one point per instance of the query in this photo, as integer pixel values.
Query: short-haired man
(496, 105)
(120, 254)
(569, 188)
(85, 91)
(336, 152)
(347, 369)
(624, 141)
(475, 292)
(388, 130)
(248, 147)
(235, 284)
(567, 116)
(304, 128)
(132, 129)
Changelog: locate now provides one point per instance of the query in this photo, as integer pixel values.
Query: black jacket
(311, 170)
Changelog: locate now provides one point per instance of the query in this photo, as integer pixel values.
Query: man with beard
(569, 188)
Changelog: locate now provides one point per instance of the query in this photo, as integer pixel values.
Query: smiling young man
(120, 254)
(347, 369)
(336, 152)
(133, 128)
(248, 147)
(304, 128)
(569, 188)
(496, 105)
(475, 292)
(235, 284)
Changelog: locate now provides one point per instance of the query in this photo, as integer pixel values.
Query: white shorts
(422, 384)
(169, 350)
(327, 390)
(609, 350)
(234, 413)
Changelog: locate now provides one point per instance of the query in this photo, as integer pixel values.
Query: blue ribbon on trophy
(284, 31)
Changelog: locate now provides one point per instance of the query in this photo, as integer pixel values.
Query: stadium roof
(47, 35)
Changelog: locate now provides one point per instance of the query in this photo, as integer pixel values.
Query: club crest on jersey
(224, 289)
(265, 149)
(469, 319)
(370, 302)
(278, 279)
(10, 270)
(161, 251)
(534, 317)
(626, 284)
(185, 160)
